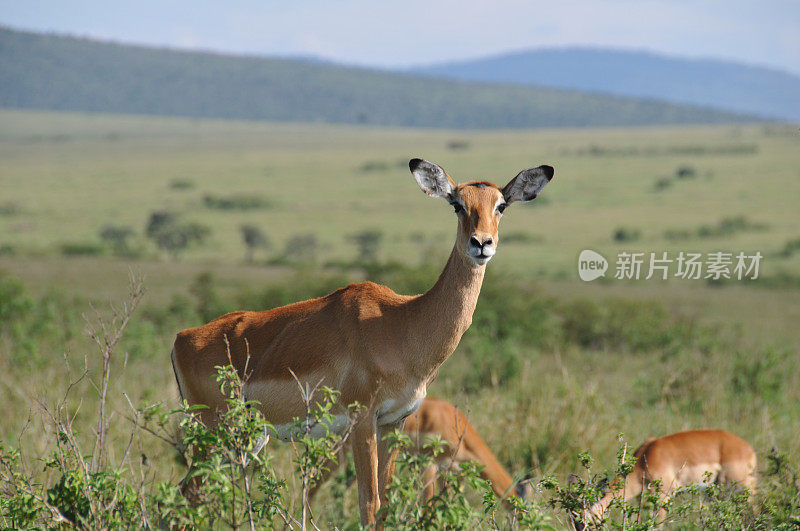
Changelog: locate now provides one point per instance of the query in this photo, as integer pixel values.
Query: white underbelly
(393, 411)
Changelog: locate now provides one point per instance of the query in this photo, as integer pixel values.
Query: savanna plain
(215, 216)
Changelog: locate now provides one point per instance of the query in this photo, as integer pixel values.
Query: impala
(376, 347)
(679, 460)
(440, 418)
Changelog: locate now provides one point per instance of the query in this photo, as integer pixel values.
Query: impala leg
(430, 477)
(386, 458)
(365, 457)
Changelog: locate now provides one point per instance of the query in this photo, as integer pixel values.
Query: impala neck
(441, 316)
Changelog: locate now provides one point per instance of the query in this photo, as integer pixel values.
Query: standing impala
(681, 460)
(376, 347)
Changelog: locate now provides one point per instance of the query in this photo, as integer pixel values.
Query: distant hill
(64, 73)
(717, 84)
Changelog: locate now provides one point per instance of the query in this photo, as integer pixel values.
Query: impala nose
(481, 248)
(480, 244)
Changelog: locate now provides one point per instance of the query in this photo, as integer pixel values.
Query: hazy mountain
(704, 82)
(55, 72)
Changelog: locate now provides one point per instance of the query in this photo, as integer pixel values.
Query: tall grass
(542, 378)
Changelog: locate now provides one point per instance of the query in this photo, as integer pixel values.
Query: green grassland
(551, 366)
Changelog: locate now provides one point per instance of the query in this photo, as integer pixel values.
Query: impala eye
(457, 207)
(501, 207)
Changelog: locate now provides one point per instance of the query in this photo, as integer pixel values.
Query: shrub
(372, 166)
(173, 235)
(236, 202)
(302, 248)
(117, 236)
(9, 208)
(729, 226)
(254, 239)
(685, 172)
(368, 243)
(82, 249)
(181, 184)
(757, 376)
(623, 234)
(662, 183)
(677, 234)
(458, 145)
(520, 237)
(790, 248)
(208, 304)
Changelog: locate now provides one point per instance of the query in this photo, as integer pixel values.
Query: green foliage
(9, 208)
(254, 238)
(20, 504)
(368, 243)
(623, 324)
(756, 376)
(729, 226)
(662, 183)
(32, 327)
(301, 249)
(299, 287)
(511, 320)
(171, 234)
(227, 466)
(371, 166)
(622, 234)
(236, 202)
(208, 303)
(117, 237)
(781, 493)
(790, 247)
(685, 172)
(726, 227)
(82, 249)
(181, 184)
(445, 509)
(520, 237)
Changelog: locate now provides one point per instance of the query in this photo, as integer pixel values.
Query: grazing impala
(680, 460)
(376, 347)
(438, 417)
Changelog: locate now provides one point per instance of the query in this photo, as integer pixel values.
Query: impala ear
(433, 180)
(527, 185)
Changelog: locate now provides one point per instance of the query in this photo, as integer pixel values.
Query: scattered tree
(254, 239)
(368, 243)
(116, 237)
(302, 248)
(173, 235)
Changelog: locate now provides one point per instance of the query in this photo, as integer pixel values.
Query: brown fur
(464, 444)
(376, 347)
(680, 460)
(438, 417)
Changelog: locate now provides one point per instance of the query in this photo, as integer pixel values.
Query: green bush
(236, 202)
(82, 249)
(181, 184)
(623, 234)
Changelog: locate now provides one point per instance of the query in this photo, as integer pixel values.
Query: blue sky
(400, 33)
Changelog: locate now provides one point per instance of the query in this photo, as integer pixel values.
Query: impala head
(479, 205)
